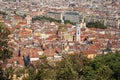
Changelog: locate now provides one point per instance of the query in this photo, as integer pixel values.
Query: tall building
(62, 18)
(29, 19)
(72, 16)
(78, 32)
(83, 24)
(55, 15)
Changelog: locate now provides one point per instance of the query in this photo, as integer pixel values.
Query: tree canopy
(96, 25)
(105, 67)
(3, 13)
(78, 67)
(4, 50)
(51, 19)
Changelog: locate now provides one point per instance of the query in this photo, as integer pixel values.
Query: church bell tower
(78, 33)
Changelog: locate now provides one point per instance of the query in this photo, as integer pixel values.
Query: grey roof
(54, 12)
(72, 13)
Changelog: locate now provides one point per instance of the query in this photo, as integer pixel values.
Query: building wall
(72, 16)
(106, 21)
(55, 15)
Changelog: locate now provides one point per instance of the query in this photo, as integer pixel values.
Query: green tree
(65, 70)
(71, 67)
(103, 73)
(113, 60)
(51, 19)
(19, 72)
(1, 73)
(4, 50)
(79, 61)
(76, 67)
(96, 25)
(45, 69)
(104, 67)
(3, 13)
(89, 72)
(31, 73)
(9, 73)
